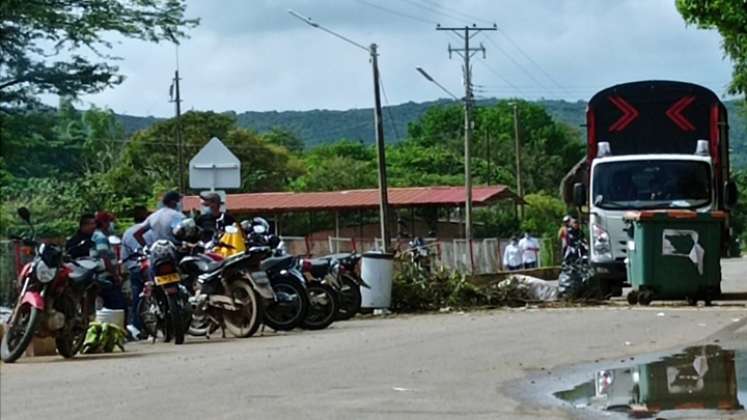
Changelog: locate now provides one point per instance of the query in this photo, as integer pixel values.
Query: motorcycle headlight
(44, 273)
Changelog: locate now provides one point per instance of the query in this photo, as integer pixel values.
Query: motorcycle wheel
(70, 339)
(244, 322)
(19, 335)
(349, 302)
(290, 307)
(148, 312)
(175, 319)
(322, 307)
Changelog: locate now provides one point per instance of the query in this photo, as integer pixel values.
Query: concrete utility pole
(466, 53)
(378, 126)
(519, 186)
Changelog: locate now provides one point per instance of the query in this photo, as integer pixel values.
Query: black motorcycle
(290, 304)
(340, 272)
(169, 296)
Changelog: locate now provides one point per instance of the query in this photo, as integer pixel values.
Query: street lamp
(378, 124)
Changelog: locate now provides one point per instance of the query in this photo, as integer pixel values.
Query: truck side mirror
(731, 194)
(579, 194)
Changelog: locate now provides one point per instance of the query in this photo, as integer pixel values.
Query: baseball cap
(211, 197)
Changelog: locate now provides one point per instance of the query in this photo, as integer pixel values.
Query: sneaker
(134, 333)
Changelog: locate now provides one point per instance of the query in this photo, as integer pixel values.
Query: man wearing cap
(163, 221)
(112, 294)
(212, 220)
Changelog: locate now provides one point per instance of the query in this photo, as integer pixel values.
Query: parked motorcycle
(288, 309)
(52, 300)
(340, 272)
(228, 291)
(171, 296)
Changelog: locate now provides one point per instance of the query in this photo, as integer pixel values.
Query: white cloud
(255, 56)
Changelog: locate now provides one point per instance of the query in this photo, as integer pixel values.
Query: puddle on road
(700, 378)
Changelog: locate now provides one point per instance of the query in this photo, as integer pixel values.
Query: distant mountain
(325, 126)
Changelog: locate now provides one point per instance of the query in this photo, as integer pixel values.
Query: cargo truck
(651, 145)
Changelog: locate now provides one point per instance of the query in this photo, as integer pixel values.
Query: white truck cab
(618, 184)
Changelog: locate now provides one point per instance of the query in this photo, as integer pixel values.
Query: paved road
(437, 366)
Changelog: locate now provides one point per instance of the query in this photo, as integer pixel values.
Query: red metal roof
(287, 202)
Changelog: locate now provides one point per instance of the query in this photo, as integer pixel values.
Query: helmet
(260, 226)
(162, 250)
(186, 230)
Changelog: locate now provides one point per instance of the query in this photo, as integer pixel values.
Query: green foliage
(44, 44)
(496, 222)
(285, 138)
(542, 215)
(739, 213)
(729, 17)
(342, 165)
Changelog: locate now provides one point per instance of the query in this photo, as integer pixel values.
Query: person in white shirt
(530, 250)
(163, 221)
(512, 256)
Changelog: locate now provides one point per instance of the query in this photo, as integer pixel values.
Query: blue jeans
(136, 283)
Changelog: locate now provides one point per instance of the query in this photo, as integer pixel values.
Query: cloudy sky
(252, 55)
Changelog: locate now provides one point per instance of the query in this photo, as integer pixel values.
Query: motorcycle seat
(320, 267)
(80, 275)
(277, 263)
(208, 266)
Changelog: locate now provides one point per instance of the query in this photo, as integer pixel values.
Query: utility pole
(380, 149)
(378, 126)
(179, 149)
(519, 186)
(466, 53)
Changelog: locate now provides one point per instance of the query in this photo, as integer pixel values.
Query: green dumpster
(674, 255)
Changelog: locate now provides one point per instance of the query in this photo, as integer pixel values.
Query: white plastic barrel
(111, 316)
(377, 270)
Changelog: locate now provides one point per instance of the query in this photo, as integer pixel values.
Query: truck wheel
(633, 297)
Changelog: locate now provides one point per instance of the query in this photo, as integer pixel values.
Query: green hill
(324, 126)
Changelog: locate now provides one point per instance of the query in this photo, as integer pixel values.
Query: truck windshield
(651, 184)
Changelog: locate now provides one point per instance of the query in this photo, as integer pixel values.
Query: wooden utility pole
(519, 186)
(466, 33)
(381, 151)
(179, 142)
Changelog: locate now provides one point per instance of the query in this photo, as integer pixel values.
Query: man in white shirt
(512, 256)
(163, 221)
(530, 250)
(130, 251)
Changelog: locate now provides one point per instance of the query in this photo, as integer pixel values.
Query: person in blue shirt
(111, 294)
(131, 250)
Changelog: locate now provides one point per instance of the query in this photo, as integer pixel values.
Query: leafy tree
(285, 138)
(542, 215)
(264, 166)
(342, 165)
(44, 43)
(729, 17)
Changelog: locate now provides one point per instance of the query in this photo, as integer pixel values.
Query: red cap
(104, 217)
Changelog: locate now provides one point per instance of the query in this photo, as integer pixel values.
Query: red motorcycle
(53, 300)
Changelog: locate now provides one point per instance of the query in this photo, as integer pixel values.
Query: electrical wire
(388, 109)
(526, 71)
(530, 59)
(395, 12)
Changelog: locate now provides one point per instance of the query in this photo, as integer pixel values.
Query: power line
(531, 60)
(496, 73)
(388, 108)
(517, 64)
(458, 12)
(433, 10)
(395, 12)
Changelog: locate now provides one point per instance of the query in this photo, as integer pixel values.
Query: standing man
(212, 220)
(530, 250)
(81, 244)
(130, 252)
(563, 233)
(163, 221)
(512, 256)
(111, 294)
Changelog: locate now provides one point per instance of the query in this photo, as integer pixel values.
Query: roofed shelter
(336, 202)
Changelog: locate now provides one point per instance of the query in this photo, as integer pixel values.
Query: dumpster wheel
(645, 297)
(633, 297)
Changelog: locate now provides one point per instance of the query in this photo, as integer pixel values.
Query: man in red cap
(112, 294)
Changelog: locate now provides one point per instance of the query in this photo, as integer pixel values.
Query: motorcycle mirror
(114, 240)
(24, 214)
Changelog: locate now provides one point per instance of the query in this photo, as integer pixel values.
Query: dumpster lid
(378, 255)
(673, 215)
